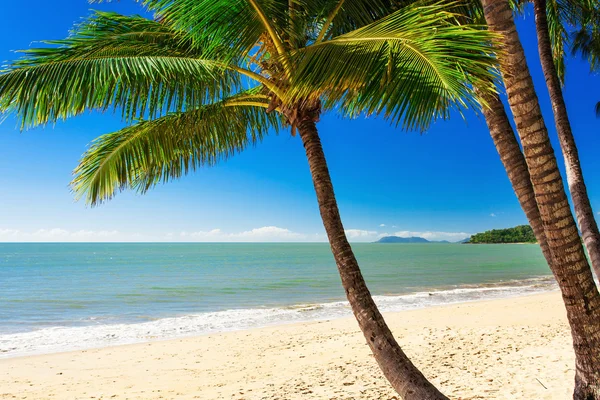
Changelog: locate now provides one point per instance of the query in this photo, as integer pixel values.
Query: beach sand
(517, 348)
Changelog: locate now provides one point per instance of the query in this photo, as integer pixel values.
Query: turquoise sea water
(65, 296)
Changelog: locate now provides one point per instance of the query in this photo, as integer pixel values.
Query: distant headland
(518, 234)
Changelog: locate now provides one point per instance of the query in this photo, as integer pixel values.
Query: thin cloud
(8, 232)
(434, 235)
(61, 235)
(360, 234)
(263, 234)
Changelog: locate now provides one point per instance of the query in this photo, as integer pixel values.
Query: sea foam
(97, 334)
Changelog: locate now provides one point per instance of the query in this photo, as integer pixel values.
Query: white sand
(517, 348)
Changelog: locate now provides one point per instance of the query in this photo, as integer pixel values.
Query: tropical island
(518, 234)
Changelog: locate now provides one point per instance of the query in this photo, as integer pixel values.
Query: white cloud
(263, 234)
(50, 233)
(94, 234)
(202, 234)
(8, 232)
(271, 231)
(353, 234)
(492, 215)
(382, 225)
(434, 235)
(61, 235)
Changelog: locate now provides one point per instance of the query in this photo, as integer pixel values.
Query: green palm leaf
(586, 41)
(173, 72)
(586, 37)
(412, 66)
(557, 13)
(235, 24)
(143, 155)
(133, 63)
(570, 25)
(343, 16)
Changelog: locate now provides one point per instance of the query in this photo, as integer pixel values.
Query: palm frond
(235, 24)
(556, 11)
(587, 44)
(143, 155)
(413, 66)
(138, 65)
(343, 16)
(586, 37)
(571, 24)
(111, 32)
(518, 5)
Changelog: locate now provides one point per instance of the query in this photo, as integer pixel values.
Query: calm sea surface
(57, 297)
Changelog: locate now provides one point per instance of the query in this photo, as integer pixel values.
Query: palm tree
(515, 165)
(504, 138)
(570, 265)
(551, 50)
(209, 78)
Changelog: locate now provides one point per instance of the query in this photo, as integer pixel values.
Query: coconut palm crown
(573, 27)
(205, 78)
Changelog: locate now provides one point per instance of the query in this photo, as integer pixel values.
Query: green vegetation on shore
(518, 234)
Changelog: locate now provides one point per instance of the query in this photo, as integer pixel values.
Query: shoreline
(58, 339)
(500, 348)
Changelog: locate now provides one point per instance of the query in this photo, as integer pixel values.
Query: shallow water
(57, 297)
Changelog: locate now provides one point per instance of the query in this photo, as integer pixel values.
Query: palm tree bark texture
(515, 165)
(570, 267)
(581, 201)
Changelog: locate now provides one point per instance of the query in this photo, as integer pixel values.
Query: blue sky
(445, 184)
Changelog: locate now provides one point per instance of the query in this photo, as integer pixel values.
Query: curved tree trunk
(514, 163)
(408, 381)
(581, 201)
(570, 266)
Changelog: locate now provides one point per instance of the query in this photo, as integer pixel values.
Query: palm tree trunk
(406, 379)
(581, 201)
(570, 267)
(514, 163)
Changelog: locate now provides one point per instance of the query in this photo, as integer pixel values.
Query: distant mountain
(414, 239)
(398, 239)
(518, 234)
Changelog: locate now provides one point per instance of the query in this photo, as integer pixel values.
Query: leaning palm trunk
(570, 266)
(581, 201)
(514, 163)
(406, 379)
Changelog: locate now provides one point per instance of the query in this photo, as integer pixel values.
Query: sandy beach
(517, 348)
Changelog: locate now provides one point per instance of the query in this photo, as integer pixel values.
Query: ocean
(57, 297)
